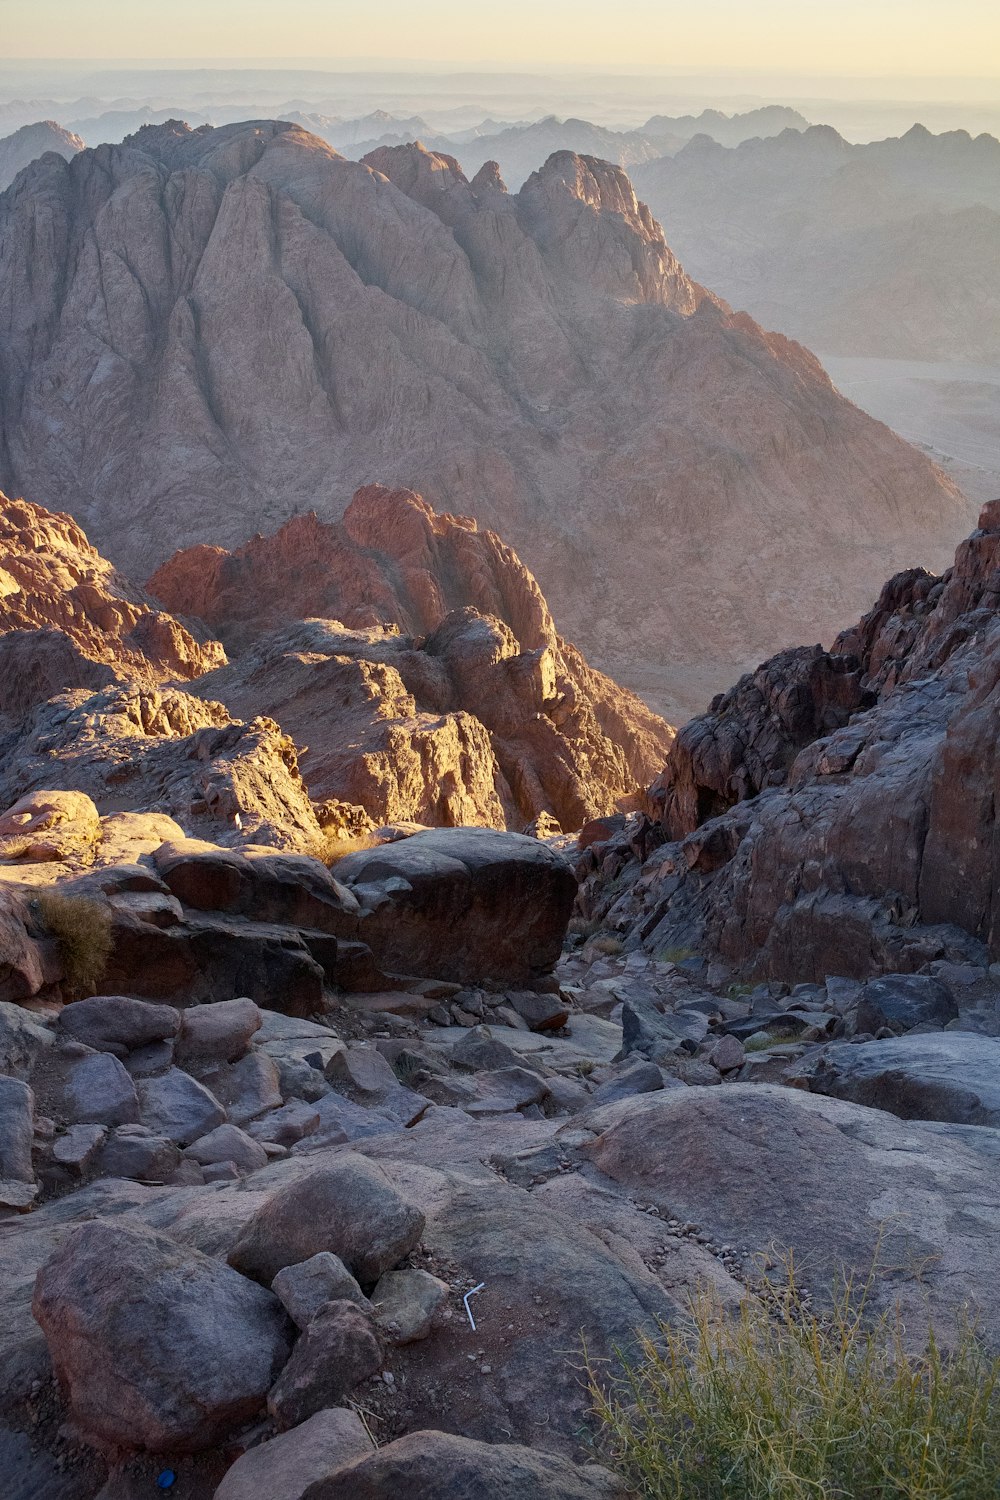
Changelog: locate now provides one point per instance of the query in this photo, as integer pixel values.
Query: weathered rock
(118, 1024)
(306, 1287)
(78, 1147)
(143, 1158)
(541, 1012)
(228, 1143)
(440, 1466)
(27, 964)
(50, 825)
(286, 1125)
(349, 1207)
(218, 1033)
(98, 1090)
(728, 1053)
(177, 1106)
(338, 1350)
(951, 1075)
(900, 1001)
(23, 1039)
(638, 1078)
(405, 1303)
(285, 1466)
(248, 1088)
(477, 905)
(157, 1346)
(17, 1129)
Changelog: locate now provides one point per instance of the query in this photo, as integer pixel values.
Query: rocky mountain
(728, 130)
(29, 143)
(211, 331)
(410, 656)
(884, 249)
(833, 813)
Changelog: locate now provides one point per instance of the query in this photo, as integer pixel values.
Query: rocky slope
(69, 620)
(286, 325)
(449, 698)
(884, 249)
(32, 141)
(834, 812)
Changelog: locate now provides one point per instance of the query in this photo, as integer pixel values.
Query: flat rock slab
(945, 1075)
(591, 1039)
(761, 1166)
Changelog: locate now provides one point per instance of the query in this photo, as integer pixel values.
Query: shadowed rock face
(69, 620)
(302, 324)
(450, 699)
(836, 812)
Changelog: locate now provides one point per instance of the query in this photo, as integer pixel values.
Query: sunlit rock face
(210, 332)
(32, 141)
(415, 656)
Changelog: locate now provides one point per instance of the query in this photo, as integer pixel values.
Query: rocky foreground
(327, 1186)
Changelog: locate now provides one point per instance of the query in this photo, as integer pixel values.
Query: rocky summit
(212, 331)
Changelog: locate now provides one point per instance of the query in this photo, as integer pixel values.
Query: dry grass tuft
(781, 1403)
(83, 930)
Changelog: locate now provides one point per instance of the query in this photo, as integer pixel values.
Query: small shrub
(609, 946)
(83, 931)
(781, 1403)
(329, 848)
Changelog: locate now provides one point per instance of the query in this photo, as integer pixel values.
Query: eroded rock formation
(451, 698)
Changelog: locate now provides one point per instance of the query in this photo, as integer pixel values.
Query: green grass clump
(780, 1403)
(82, 929)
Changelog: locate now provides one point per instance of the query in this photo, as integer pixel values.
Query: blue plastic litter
(165, 1481)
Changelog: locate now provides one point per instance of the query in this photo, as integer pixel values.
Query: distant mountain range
(886, 249)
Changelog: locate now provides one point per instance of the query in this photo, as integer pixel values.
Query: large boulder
(118, 1023)
(464, 904)
(257, 883)
(947, 1075)
(349, 1208)
(156, 1346)
(900, 1001)
(23, 1039)
(27, 965)
(439, 1466)
(17, 1122)
(178, 1106)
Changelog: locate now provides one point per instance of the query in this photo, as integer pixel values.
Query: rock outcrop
(303, 324)
(450, 699)
(834, 812)
(69, 620)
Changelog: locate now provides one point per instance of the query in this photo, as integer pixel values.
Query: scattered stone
(98, 1090)
(22, 1037)
(140, 1158)
(17, 1130)
(228, 1143)
(639, 1078)
(902, 1001)
(727, 1054)
(338, 1350)
(539, 1012)
(248, 1088)
(306, 1287)
(78, 1147)
(439, 1466)
(221, 1032)
(285, 1126)
(179, 1107)
(405, 1303)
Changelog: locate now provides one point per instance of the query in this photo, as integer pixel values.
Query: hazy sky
(954, 37)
